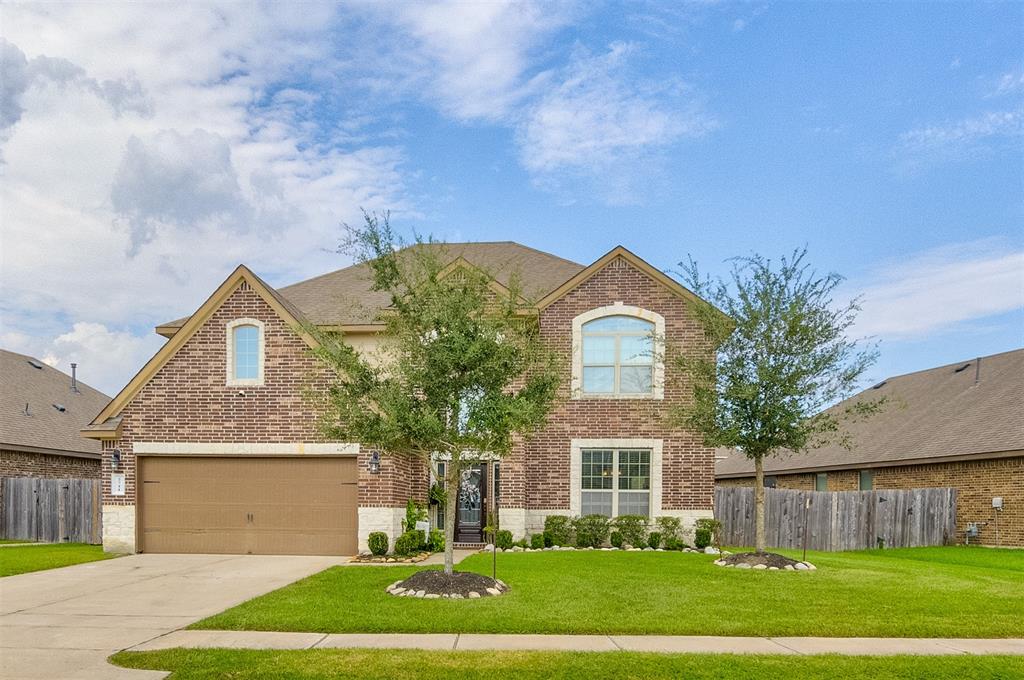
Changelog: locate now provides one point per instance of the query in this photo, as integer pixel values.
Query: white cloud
(960, 139)
(601, 122)
(1009, 83)
(940, 289)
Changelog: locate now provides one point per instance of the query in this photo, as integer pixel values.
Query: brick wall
(188, 401)
(22, 464)
(977, 482)
(688, 466)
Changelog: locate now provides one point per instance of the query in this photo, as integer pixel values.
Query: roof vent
(35, 364)
(60, 407)
(879, 385)
(962, 368)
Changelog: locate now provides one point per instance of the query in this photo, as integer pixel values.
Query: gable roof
(967, 409)
(106, 421)
(636, 261)
(344, 297)
(45, 427)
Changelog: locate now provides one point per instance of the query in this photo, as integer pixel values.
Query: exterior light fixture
(374, 462)
(115, 458)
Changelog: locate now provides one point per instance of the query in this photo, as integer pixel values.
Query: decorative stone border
(555, 548)
(398, 591)
(799, 566)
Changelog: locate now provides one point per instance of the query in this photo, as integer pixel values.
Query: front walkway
(585, 643)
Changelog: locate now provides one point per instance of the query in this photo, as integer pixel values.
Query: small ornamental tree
(460, 373)
(783, 359)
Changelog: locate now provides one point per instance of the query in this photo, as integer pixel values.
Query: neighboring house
(215, 447)
(960, 425)
(42, 411)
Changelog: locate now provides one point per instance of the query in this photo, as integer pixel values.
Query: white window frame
(229, 333)
(618, 309)
(577, 446)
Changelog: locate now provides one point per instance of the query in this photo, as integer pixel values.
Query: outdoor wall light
(115, 458)
(374, 462)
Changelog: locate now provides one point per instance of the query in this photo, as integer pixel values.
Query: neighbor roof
(970, 408)
(344, 297)
(45, 427)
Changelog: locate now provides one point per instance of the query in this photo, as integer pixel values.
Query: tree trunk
(451, 503)
(759, 504)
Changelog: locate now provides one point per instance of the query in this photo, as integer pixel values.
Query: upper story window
(245, 352)
(615, 353)
(618, 356)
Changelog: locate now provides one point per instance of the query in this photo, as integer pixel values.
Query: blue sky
(147, 151)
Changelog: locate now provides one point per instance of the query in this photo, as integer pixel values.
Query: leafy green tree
(461, 371)
(783, 359)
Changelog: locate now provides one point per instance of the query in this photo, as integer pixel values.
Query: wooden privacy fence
(839, 520)
(51, 510)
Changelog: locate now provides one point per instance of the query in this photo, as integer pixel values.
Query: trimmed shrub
(521, 543)
(503, 539)
(633, 529)
(435, 542)
(670, 527)
(616, 539)
(673, 543)
(702, 538)
(711, 526)
(654, 539)
(560, 528)
(409, 543)
(537, 541)
(591, 531)
(548, 539)
(378, 542)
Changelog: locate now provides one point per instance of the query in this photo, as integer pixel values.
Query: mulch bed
(460, 584)
(768, 559)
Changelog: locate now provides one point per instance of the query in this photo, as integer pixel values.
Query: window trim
(655, 446)
(821, 477)
(231, 380)
(618, 309)
(870, 474)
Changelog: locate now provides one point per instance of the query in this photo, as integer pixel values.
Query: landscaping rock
(421, 593)
(718, 562)
(493, 591)
(489, 547)
(760, 566)
(788, 567)
(773, 568)
(396, 591)
(811, 566)
(800, 566)
(432, 596)
(474, 595)
(743, 565)
(711, 551)
(456, 596)
(648, 549)
(729, 565)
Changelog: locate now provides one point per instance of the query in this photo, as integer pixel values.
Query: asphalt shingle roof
(936, 413)
(344, 297)
(45, 427)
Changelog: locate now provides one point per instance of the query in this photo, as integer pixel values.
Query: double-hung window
(618, 356)
(615, 482)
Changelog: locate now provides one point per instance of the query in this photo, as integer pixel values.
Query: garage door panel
(249, 505)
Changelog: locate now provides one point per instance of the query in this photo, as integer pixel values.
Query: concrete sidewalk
(585, 643)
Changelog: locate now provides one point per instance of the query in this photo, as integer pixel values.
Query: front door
(470, 514)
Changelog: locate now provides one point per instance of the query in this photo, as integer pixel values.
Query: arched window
(245, 352)
(618, 356)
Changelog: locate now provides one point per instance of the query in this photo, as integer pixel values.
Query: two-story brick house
(214, 445)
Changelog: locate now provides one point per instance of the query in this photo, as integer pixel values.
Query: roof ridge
(953, 363)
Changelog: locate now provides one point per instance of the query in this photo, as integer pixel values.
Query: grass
(917, 592)
(205, 664)
(23, 559)
(9, 541)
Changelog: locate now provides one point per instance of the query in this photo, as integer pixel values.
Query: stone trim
(229, 335)
(388, 520)
(576, 462)
(119, 528)
(244, 449)
(618, 309)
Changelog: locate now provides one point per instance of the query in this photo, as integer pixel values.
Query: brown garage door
(262, 506)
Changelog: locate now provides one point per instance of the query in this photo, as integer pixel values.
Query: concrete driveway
(64, 623)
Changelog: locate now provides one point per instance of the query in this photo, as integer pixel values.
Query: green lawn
(9, 541)
(196, 664)
(919, 592)
(22, 559)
